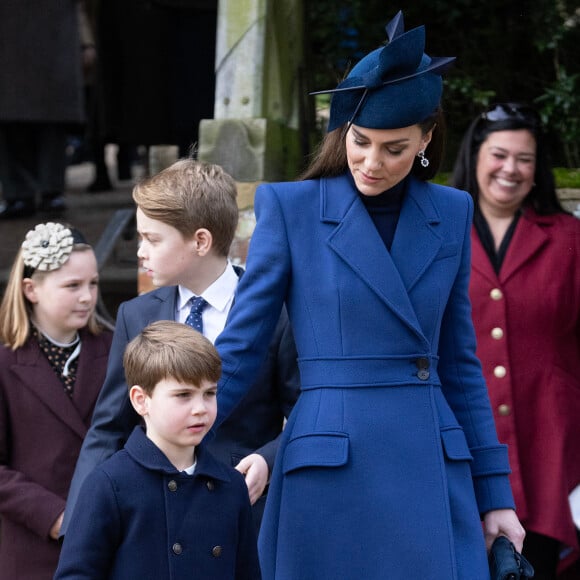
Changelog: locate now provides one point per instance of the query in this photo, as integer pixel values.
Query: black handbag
(506, 563)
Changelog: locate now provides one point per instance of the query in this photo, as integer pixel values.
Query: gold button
(172, 485)
(500, 372)
(216, 551)
(497, 333)
(496, 294)
(504, 410)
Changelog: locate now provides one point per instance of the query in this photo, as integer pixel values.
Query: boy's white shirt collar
(218, 295)
(191, 469)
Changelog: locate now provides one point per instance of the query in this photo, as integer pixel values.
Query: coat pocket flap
(455, 445)
(316, 450)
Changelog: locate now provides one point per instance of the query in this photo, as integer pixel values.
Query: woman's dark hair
(330, 158)
(508, 117)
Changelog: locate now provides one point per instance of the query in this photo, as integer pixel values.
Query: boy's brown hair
(170, 350)
(189, 195)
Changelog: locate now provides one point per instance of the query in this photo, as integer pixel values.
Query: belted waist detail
(344, 372)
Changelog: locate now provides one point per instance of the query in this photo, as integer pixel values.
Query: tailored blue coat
(390, 455)
(138, 517)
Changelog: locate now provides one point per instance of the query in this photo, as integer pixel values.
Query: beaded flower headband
(48, 246)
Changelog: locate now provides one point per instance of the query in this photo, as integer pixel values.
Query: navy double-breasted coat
(255, 427)
(390, 455)
(138, 517)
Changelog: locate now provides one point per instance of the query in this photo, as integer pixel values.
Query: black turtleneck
(385, 209)
(486, 238)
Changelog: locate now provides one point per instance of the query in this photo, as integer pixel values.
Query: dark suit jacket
(41, 431)
(255, 426)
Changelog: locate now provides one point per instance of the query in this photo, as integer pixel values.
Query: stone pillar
(255, 133)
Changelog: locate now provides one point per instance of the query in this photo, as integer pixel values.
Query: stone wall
(255, 132)
(571, 200)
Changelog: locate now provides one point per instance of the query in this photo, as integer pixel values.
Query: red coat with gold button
(527, 322)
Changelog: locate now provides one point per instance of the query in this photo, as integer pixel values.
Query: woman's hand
(503, 523)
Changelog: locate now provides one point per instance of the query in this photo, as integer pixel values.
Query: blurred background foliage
(507, 50)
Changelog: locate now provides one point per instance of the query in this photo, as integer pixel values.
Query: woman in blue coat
(390, 459)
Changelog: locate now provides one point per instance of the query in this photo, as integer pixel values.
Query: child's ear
(29, 290)
(139, 399)
(203, 241)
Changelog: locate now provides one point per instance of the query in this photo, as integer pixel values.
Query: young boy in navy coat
(163, 507)
(186, 218)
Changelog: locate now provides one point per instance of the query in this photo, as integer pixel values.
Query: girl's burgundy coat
(527, 321)
(41, 432)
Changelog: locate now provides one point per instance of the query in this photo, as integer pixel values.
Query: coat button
(177, 548)
(504, 410)
(496, 294)
(497, 333)
(172, 485)
(216, 551)
(499, 372)
(210, 485)
(423, 366)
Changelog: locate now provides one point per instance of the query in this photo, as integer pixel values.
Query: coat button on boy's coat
(210, 485)
(172, 486)
(177, 549)
(216, 551)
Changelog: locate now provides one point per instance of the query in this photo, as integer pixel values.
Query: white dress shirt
(219, 296)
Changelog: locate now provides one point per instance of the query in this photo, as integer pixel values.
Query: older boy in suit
(186, 218)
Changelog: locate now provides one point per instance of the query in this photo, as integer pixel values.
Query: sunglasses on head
(505, 111)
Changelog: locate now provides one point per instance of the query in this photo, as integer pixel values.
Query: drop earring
(424, 160)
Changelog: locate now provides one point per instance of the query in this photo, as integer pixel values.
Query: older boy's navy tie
(194, 317)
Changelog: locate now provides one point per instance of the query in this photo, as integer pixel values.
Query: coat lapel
(36, 374)
(528, 239)
(357, 242)
(158, 305)
(479, 259)
(416, 241)
(94, 354)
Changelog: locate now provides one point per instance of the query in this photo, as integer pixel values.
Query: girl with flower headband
(52, 364)
(390, 459)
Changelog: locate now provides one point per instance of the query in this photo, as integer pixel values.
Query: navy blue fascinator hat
(395, 86)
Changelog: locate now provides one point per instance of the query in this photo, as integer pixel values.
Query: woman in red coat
(53, 359)
(525, 291)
